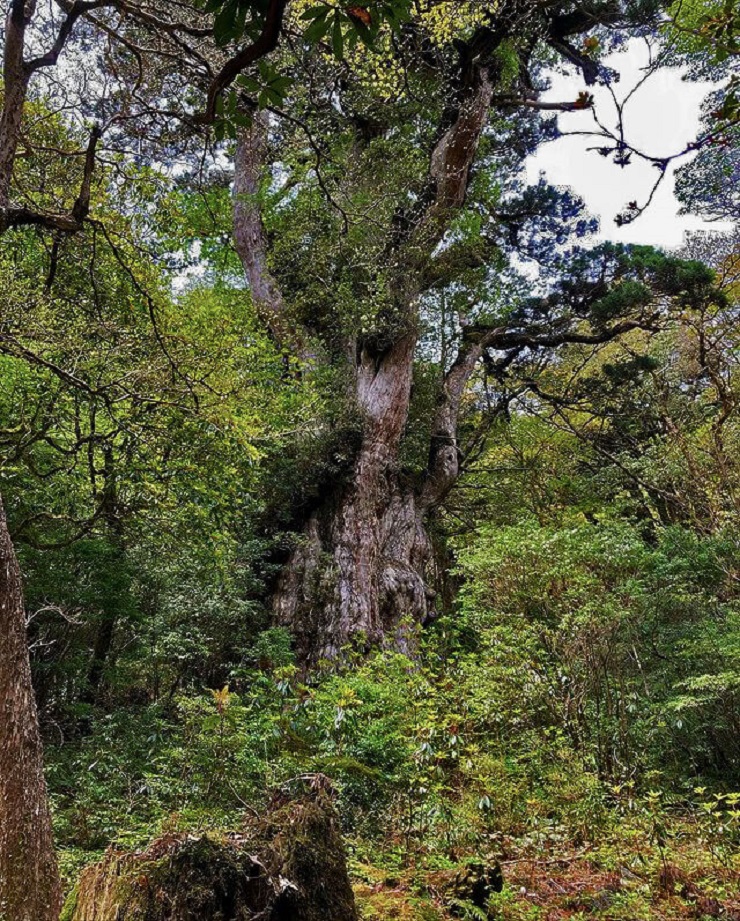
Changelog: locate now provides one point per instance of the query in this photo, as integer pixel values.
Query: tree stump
(289, 866)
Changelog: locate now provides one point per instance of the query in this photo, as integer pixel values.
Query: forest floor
(665, 868)
(683, 881)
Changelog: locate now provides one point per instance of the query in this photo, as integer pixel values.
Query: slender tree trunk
(15, 85)
(109, 605)
(29, 881)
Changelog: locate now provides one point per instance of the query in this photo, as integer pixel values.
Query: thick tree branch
(584, 101)
(452, 157)
(501, 338)
(250, 239)
(19, 216)
(444, 456)
(264, 44)
(74, 11)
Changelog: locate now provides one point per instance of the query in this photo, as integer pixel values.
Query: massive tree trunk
(364, 571)
(29, 882)
(361, 570)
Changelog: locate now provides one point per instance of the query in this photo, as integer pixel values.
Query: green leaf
(248, 83)
(225, 23)
(316, 12)
(337, 38)
(317, 30)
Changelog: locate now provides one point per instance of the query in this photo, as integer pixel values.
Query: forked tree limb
(70, 222)
(444, 458)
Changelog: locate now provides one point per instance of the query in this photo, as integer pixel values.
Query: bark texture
(15, 81)
(29, 882)
(360, 572)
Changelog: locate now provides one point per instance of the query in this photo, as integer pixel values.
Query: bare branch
(74, 11)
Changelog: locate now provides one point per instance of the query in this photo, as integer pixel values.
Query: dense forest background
(330, 448)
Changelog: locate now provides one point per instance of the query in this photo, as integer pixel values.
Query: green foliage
(350, 25)
(600, 631)
(580, 681)
(711, 28)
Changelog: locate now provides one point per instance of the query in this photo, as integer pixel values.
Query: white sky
(660, 119)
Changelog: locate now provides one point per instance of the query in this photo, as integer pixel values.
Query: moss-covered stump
(176, 879)
(288, 867)
(303, 844)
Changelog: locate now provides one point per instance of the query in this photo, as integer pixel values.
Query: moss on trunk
(304, 846)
